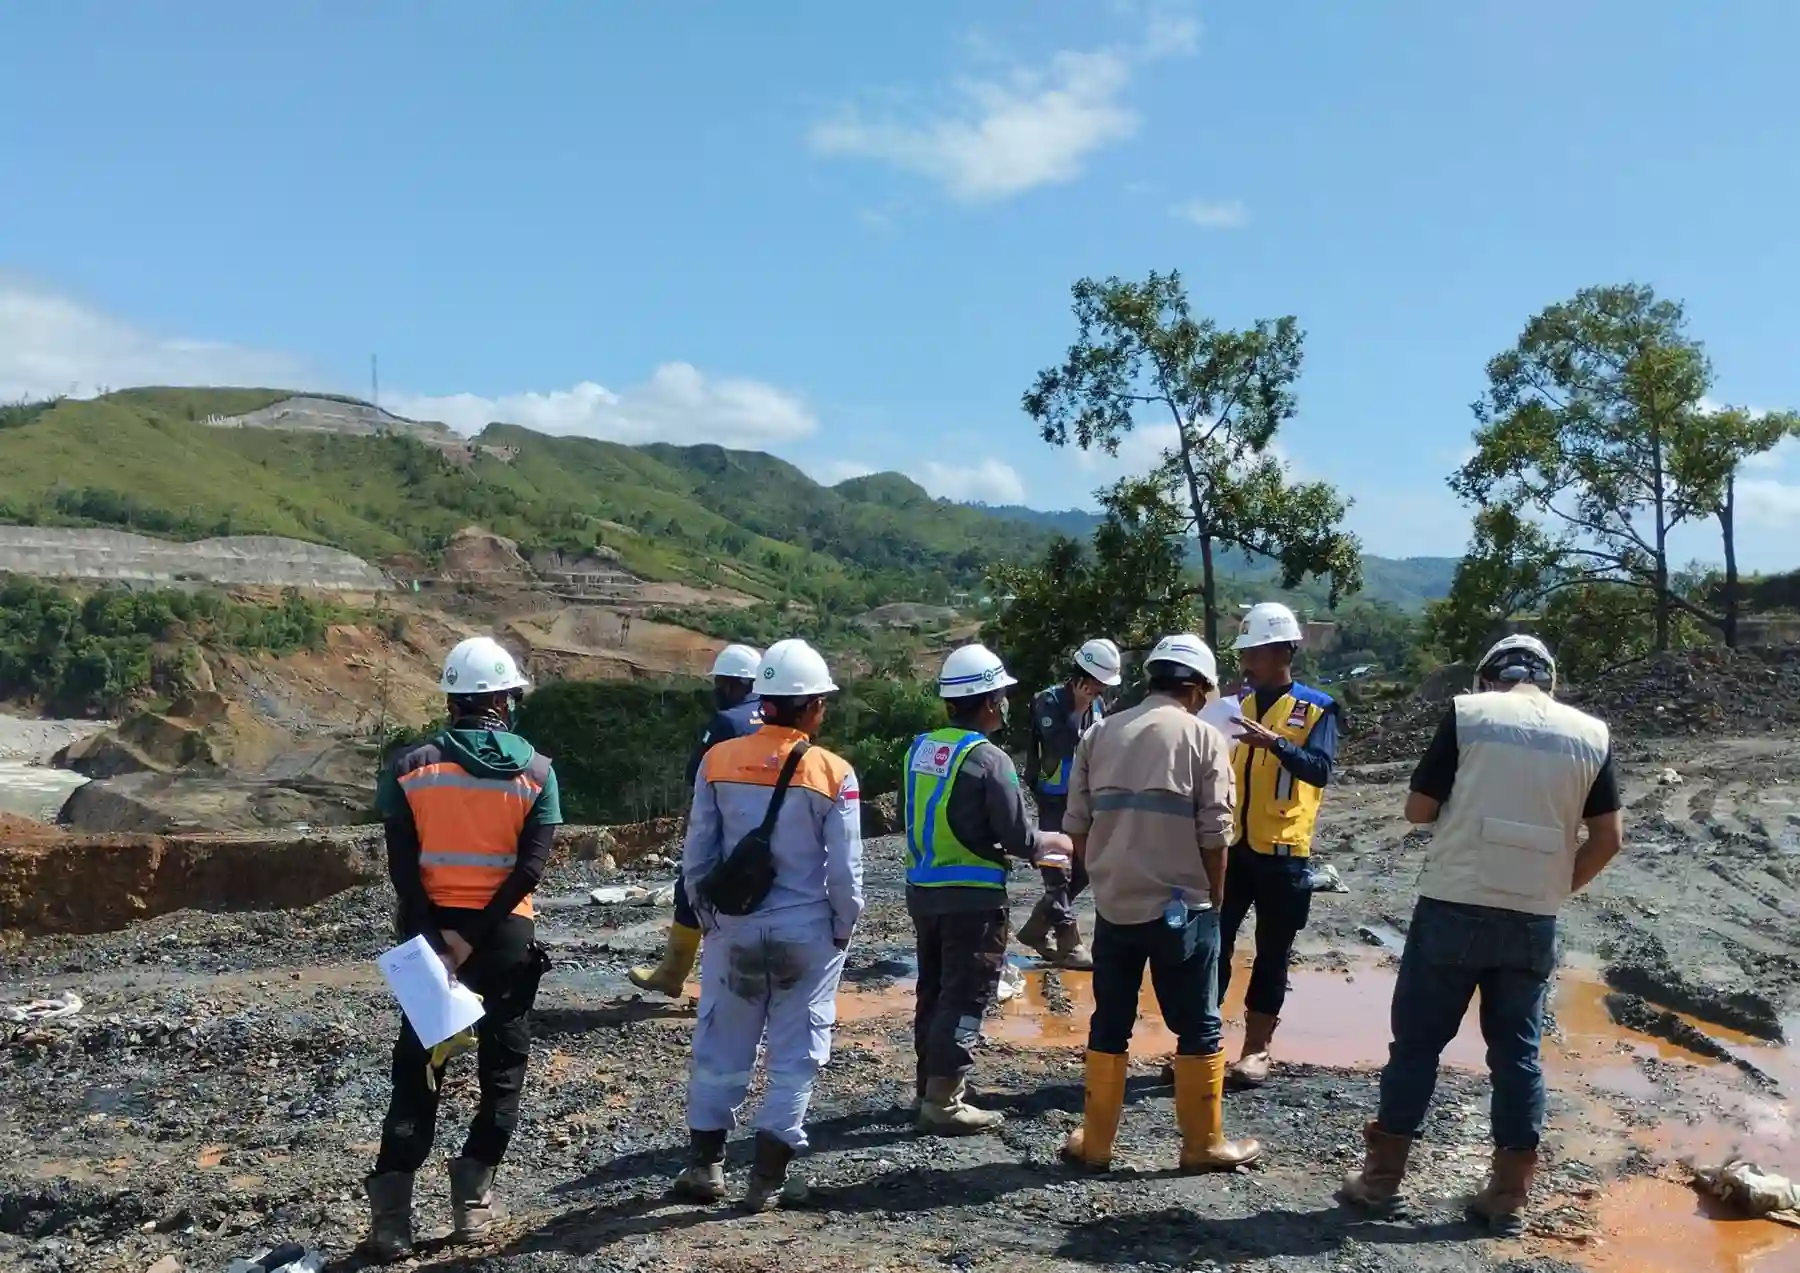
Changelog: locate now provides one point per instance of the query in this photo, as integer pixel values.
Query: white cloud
(1767, 504)
(1033, 127)
(1171, 32)
(1210, 214)
(50, 344)
(990, 481)
(677, 404)
(831, 472)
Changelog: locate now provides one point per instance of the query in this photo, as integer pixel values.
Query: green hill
(1405, 582)
(143, 459)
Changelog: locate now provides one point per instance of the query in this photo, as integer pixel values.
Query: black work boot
(768, 1174)
(473, 1208)
(390, 1216)
(704, 1179)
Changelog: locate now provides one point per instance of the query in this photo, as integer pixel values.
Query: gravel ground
(222, 1089)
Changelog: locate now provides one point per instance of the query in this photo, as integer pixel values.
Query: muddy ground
(222, 1088)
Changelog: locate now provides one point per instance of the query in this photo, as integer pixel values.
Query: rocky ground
(220, 1091)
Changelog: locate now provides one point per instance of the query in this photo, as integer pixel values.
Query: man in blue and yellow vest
(469, 815)
(965, 815)
(1283, 754)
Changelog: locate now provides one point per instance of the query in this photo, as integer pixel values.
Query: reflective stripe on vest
(1059, 785)
(1275, 811)
(935, 858)
(468, 831)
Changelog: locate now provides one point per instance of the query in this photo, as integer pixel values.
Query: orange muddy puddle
(1656, 1226)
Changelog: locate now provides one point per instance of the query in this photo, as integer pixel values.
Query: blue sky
(846, 233)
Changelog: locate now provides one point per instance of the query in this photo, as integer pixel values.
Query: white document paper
(435, 1006)
(1223, 714)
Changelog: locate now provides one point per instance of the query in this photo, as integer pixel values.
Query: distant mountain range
(193, 463)
(1406, 582)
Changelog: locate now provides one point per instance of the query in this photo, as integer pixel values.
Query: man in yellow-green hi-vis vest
(965, 815)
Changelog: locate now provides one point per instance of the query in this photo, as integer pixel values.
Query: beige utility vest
(1507, 835)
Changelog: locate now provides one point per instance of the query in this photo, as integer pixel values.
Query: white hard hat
(1519, 657)
(793, 669)
(1187, 650)
(1099, 659)
(480, 665)
(738, 662)
(972, 670)
(1268, 623)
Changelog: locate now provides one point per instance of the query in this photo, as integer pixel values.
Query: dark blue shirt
(733, 722)
(1309, 762)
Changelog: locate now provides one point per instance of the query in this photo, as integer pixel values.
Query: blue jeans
(1452, 951)
(684, 909)
(1184, 969)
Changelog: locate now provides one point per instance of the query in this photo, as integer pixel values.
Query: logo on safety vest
(1297, 717)
(932, 760)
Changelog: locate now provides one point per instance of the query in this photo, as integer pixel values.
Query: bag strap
(781, 785)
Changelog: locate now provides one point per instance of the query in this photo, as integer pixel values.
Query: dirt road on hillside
(221, 1090)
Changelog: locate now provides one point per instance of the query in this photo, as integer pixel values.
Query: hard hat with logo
(1268, 623)
(1099, 659)
(1184, 650)
(793, 669)
(1516, 658)
(972, 670)
(481, 665)
(738, 662)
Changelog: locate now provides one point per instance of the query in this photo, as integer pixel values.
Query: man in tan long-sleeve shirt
(1150, 813)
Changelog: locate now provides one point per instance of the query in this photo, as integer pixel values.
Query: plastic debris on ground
(1751, 1190)
(67, 1004)
(1012, 984)
(633, 895)
(1324, 878)
(289, 1257)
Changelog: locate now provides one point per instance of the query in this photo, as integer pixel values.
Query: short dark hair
(970, 704)
(786, 711)
(462, 705)
(1169, 677)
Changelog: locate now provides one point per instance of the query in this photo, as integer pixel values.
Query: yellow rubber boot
(1091, 1144)
(1200, 1113)
(670, 976)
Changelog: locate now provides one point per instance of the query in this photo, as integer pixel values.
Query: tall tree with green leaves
(1594, 444)
(1142, 359)
(1130, 584)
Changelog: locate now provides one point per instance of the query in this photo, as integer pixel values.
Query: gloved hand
(441, 1055)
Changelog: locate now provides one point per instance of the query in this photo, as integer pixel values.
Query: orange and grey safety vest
(468, 827)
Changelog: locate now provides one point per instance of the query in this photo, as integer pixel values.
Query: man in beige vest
(1509, 779)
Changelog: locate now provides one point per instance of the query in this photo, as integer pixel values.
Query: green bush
(874, 722)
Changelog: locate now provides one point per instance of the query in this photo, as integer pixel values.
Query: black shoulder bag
(741, 883)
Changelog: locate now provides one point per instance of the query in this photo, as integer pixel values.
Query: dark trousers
(1184, 966)
(1452, 951)
(505, 973)
(684, 909)
(1061, 888)
(960, 960)
(1280, 888)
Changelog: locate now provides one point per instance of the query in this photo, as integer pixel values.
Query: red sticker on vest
(1297, 717)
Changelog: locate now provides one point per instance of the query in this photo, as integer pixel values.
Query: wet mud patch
(1660, 984)
(1634, 1013)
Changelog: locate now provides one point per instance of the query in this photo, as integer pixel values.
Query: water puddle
(35, 791)
(1657, 1226)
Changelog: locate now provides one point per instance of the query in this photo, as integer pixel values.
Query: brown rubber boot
(1501, 1204)
(944, 1112)
(390, 1217)
(473, 1208)
(1035, 934)
(704, 1179)
(1200, 1112)
(1091, 1144)
(1252, 1069)
(1070, 953)
(768, 1174)
(1377, 1185)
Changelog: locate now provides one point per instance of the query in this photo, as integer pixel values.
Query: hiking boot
(703, 1180)
(1035, 935)
(1070, 953)
(1200, 1113)
(669, 978)
(1091, 1144)
(1501, 1203)
(473, 1208)
(768, 1174)
(944, 1112)
(390, 1217)
(1377, 1185)
(1252, 1069)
